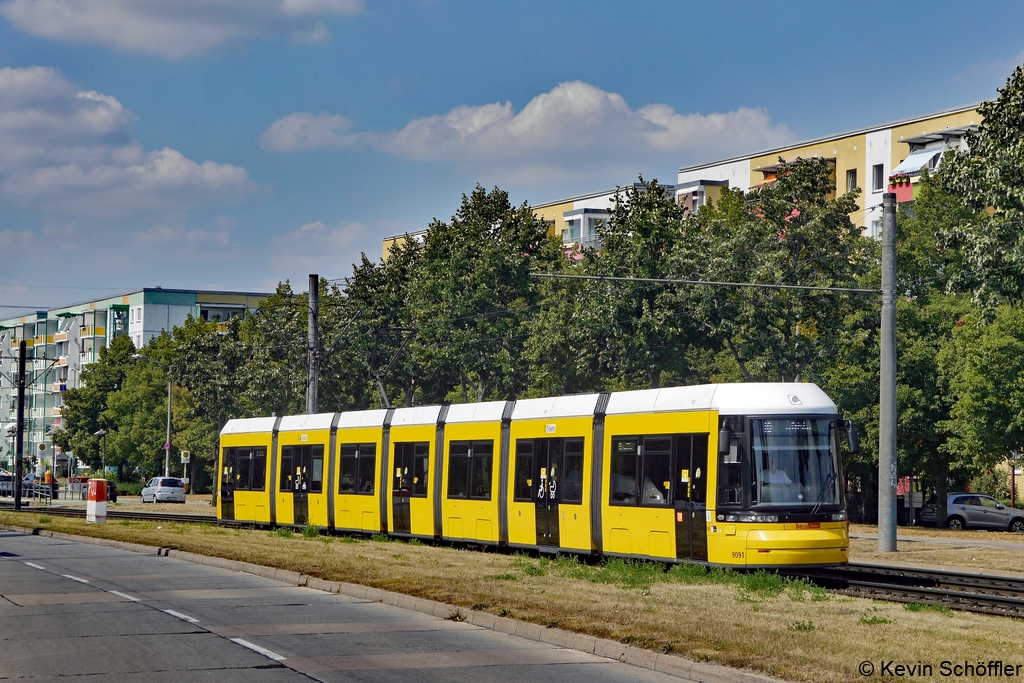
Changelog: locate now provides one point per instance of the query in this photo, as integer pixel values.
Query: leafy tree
(83, 411)
(647, 325)
(989, 177)
(471, 295)
(789, 232)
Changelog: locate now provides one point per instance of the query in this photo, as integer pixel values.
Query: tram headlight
(750, 517)
(839, 516)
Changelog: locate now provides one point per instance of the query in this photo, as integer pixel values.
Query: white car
(164, 490)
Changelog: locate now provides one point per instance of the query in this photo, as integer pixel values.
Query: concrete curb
(601, 647)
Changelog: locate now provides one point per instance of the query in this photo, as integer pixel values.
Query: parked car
(164, 490)
(111, 491)
(973, 510)
(6, 484)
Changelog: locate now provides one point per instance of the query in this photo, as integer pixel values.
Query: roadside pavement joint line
(672, 665)
(75, 578)
(256, 648)
(35, 566)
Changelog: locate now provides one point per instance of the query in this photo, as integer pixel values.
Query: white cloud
(330, 250)
(302, 131)
(554, 136)
(173, 28)
(69, 149)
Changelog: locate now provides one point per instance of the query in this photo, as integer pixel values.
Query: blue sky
(235, 143)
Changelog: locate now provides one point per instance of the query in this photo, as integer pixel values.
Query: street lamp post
(167, 443)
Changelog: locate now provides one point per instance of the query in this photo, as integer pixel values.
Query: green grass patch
(380, 538)
(45, 519)
(802, 626)
(310, 530)
(348, 539)
(918, 607)
(874, 621)
(283, 532)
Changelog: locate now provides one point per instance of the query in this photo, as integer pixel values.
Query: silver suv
(975, 511)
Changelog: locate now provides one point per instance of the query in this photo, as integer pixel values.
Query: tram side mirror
(724, 438)
(851, 436)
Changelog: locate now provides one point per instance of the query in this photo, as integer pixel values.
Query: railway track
(955, 590)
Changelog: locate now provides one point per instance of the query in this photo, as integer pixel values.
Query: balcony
(61, 362)
(60, 337)
(57, 410)
(16, 342)
(93, 331)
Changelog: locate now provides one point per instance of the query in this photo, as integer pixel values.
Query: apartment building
(62, 341)
(889, 157)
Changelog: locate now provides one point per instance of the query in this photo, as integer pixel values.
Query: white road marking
(125, 596)
(185, 617)
(35, 566)
(74, 578)
(256, 648)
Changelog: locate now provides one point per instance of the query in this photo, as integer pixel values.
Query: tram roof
(777, 398)
(249, 425)
(298, 423)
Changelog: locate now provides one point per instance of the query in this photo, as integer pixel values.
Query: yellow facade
(553, 214)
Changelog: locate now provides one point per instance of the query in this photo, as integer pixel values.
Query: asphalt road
(75, 610)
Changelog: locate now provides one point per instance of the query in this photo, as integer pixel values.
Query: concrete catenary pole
(19, 443)
(887, 385)
(313, 350)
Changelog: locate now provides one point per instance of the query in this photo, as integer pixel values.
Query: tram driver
(776, 486)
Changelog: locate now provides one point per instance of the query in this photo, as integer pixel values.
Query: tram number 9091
(737, 554)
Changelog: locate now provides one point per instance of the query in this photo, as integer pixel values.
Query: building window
(877, 177)
(851, 180)
(875, 230)
(572, 231)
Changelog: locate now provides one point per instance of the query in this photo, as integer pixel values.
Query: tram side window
(523, 490)
(656, 455)
(243, 467)
(481, 460)
(411, 463)
(228, 468)
(572, 479)
(420, 463)
(625, 453)
(358, 463)
(287, 474)
(258, 476)
(469, 469)
(316, 479)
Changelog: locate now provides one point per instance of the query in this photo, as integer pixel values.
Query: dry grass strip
(754, 621)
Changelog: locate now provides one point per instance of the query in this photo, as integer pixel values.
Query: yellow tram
(725, 474)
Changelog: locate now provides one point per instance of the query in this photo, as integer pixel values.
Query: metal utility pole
(313, 350)
(167, 443)
(19, 443)
(887, 385)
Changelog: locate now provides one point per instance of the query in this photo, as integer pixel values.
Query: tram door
(691, 496)
(302, 464)
(547, 489)
(401, 487)
(227, 485)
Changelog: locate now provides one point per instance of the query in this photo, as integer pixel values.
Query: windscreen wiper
(830, 480)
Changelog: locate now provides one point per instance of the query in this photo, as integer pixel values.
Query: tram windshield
(795, 462)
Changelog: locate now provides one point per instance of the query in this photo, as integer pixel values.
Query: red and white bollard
(96, 506)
